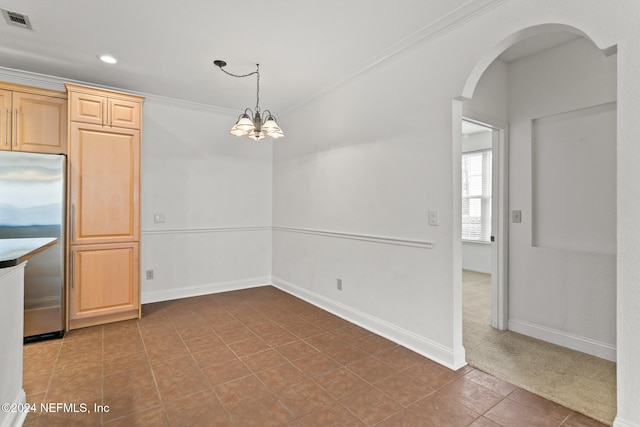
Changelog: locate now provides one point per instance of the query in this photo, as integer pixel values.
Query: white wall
(476, 257)
(214, 191)
(353, 175)
(562, 288)
(362, 178)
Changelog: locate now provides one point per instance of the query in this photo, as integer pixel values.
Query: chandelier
(253, 124)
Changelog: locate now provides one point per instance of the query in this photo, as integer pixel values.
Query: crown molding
(45, 81)
(435, 29)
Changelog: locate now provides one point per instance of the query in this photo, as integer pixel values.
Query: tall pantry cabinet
(104, 206)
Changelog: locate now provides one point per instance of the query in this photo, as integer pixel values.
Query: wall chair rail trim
(397, 241)
(205, 230)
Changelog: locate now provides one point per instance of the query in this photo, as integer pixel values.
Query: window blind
(476, 196)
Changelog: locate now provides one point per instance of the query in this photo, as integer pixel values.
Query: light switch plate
(434, 217)
(516, 216)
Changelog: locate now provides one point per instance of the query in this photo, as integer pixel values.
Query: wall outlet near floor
(158, 218)
(149, 274)
(339, 285)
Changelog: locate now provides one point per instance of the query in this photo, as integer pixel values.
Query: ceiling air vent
(18, 19)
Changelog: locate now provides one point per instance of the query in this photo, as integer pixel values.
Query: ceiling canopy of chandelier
(254, 124)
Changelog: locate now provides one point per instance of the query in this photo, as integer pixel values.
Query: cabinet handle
(15, 128)
(73, 222)
(8, 126)
(73, 272)
(110, 113)
(104, 110)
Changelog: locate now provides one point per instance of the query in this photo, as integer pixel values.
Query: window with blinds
(476, 196)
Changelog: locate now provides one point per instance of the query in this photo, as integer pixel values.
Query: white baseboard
(618, 422)
(574, 342)
(430, 349)
(476, 270)
(204, 289)
(14, 419)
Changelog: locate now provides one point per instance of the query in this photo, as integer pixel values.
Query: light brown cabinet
(104, 183)
(32, 119)
(103, 279)
(104, 110)
(104, 206)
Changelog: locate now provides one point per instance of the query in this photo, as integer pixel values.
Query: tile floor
(261, 357)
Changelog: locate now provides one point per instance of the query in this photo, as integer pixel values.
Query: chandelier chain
(257, 72)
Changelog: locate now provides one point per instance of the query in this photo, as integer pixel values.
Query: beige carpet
(581, 382)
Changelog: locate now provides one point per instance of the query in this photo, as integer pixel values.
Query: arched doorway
(554, 270)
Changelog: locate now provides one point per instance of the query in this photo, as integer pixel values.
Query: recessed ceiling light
(108, 59)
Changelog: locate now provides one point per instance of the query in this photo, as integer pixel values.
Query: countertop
(16, 251)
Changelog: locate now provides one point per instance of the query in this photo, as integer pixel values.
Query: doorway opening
(483, 202)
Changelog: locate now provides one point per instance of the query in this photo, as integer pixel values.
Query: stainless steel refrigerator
(32, 204)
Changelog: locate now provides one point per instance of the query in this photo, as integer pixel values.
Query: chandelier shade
(254, 124)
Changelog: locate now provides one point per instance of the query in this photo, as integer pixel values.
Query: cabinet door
(88, 108)
(124, 114)
(6, 118)
(104, 284)
(104, 172)
(40, 123)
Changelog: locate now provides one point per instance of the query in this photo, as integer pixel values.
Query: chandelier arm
(250, 114)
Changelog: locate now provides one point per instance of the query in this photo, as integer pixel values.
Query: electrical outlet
(149, 274)
(158, 218)
(339, 284)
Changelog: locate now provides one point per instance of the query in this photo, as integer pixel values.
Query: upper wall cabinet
(32, 119)
(103, 108)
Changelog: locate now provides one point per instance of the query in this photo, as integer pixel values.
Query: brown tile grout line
(155, 381)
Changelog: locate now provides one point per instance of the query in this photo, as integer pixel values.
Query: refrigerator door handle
(73, 222)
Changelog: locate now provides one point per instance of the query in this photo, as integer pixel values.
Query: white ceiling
(533, 45)
(469, 128)
(167, 47)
